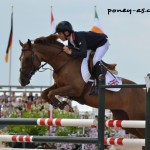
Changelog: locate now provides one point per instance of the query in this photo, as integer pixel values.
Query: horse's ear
(21, 43)
(29, 42)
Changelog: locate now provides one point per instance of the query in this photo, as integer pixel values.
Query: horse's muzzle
(23, 82)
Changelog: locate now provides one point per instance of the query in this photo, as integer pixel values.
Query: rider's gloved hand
(67, 50)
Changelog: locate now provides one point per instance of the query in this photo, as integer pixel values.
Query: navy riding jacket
(84, 41)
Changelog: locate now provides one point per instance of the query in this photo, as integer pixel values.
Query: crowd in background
(27, 101)
(24, 101)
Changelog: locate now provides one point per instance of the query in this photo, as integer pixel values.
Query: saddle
(104, 68)
(108, 67)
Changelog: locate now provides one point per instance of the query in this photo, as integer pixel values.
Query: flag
(9, 47)
(52, 23)
(97, 27)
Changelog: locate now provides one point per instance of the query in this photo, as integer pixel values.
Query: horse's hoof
(67, 108)
(71, 109)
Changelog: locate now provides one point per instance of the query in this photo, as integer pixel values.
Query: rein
(46, 63)
(41, 66)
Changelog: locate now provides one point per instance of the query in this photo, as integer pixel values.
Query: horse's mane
(51, 39)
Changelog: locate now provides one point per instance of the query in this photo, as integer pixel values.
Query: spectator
(30, 97)
(4, 97)
(19, 104)
(39, 104)
(36, 97)
(14, 102)
(5, 104)
(4, 114)
(10, 107)
(28, 105)
(24, 97)
(13, 96)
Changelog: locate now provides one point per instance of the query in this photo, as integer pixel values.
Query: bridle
(32, 66)
(35, 69)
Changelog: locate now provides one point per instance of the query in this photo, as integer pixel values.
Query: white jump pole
(125, 123)
(125, 142)
(68, 122)
(49, 122)
(71, 122)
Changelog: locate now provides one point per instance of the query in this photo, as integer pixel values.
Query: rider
(82, 41)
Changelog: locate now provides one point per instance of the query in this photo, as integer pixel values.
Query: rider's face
(62, 36)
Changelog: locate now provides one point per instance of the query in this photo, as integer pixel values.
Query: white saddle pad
(110, 79)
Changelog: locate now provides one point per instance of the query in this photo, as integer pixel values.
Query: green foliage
(42, 130)
(30, 130)
(63, 114)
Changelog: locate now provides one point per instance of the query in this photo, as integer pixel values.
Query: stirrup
(94, 89)
(101, 77)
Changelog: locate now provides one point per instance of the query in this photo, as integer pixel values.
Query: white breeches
(100, 52)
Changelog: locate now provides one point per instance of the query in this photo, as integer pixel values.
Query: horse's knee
(44, 95)
(50, 94)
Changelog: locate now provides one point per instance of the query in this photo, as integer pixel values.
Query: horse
(126, 104)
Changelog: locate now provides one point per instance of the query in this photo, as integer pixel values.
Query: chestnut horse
(126, 104)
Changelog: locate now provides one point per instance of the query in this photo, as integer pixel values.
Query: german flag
(9, 47)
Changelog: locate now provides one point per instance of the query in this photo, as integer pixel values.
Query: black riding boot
(96, 71)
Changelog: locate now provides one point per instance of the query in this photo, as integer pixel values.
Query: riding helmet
(64, 26)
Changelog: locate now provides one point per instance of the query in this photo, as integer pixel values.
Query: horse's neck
(52, 55)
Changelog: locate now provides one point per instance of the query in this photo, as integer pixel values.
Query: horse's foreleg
(44, 94)
(62, 91)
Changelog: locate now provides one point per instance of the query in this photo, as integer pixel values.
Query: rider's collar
(72, 37)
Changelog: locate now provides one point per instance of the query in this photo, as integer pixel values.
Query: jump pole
(125, 123)
(47, 139)
(71, 122)
(49, 122)
(63, 139)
